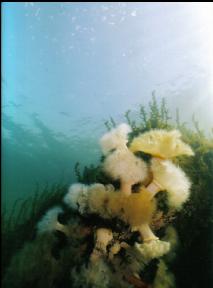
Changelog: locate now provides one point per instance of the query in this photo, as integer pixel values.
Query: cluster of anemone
(136, 209)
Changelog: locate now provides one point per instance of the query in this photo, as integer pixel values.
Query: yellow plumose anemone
(161, 143)
(116, 203)
(139, 208)
(134, 209)
(97, 200)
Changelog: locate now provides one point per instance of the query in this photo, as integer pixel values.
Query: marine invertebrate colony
(99, 237)
(108, 230)
(164, 145)
(134, 209)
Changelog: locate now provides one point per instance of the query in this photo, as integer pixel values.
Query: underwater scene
(107, 145)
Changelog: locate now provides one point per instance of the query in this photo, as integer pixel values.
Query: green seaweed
(19, 226)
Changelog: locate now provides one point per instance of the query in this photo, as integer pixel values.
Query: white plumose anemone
(77, 197)
(50, 223)
(126, 167)
(153, 249)
(172, 179)
(121, 164)
(117, 138)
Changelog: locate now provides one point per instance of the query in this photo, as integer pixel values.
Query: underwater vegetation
(25, 146)
(60, 256)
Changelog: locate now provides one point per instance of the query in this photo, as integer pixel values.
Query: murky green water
(68, 67)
